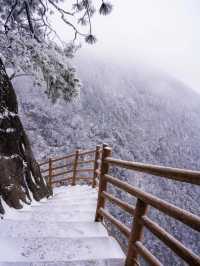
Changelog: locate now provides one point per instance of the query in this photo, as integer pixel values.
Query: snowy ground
(60, 231)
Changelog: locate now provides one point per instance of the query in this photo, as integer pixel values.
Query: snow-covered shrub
(46, 61)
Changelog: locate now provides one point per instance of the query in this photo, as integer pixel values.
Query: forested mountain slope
(144, 115)
(151, 115)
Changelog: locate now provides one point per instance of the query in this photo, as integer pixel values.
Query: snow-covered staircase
(59, 231)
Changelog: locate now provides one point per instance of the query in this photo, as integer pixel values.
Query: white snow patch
(42, 234)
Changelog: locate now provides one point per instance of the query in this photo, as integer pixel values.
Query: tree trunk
(19, 172)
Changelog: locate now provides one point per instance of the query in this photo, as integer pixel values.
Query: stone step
(59, 250)
(65, 216)
(29, 229)
(63, 207)
(74, 189)
(66, 203)
(76, 193)
(73, 198)
(90, 262)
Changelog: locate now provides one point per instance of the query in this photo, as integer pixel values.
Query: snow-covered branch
(27, 46)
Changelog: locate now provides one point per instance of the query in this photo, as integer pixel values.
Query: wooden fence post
(75, 167)
(107, 152)
(50, 172)
(96, 165)
(137, 233)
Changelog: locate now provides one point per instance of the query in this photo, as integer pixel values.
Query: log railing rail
(101, 161)
(139, 212)
(96, 166)
(72, 166)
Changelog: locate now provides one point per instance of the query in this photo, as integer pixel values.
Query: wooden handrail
(63, 157)
(183, 175)
(97, 182)
(139, 213)
(85, 161)
(151, 259)
(137, 231)
(50, 172)
(74, 162)
(75, 168)
(102, 182)
(125, 206)
(62, 173)
(123, 228)
(84, 178)
(62, 166)
(170, 241)
(98, 172)
(61, 180)
(185, 217)
(96, 165)
(87, 152)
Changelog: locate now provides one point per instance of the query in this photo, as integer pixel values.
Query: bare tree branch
(30, 20)
(60, 9)
(10, 14)
(31, 16)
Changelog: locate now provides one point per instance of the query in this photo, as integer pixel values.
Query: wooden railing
(71, 168)
(102, 160)
(139, 212)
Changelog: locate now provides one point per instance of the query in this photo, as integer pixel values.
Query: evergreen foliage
(29, 43)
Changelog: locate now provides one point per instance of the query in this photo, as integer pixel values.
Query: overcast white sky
(165, 33)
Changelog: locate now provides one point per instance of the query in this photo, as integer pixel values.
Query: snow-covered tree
(29, 45)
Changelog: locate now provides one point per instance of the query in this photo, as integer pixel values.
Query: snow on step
(80, 196)
(70, 216)
(90, 206)
(59, 249)
(74, 199)
(75, 193)
(71, 193)
(93, 262)
(57, 232)
(24, 229)
(53, 203)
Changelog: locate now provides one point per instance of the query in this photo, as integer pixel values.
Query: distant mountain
(143, 114)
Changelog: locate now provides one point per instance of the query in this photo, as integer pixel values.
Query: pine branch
(9, 15)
